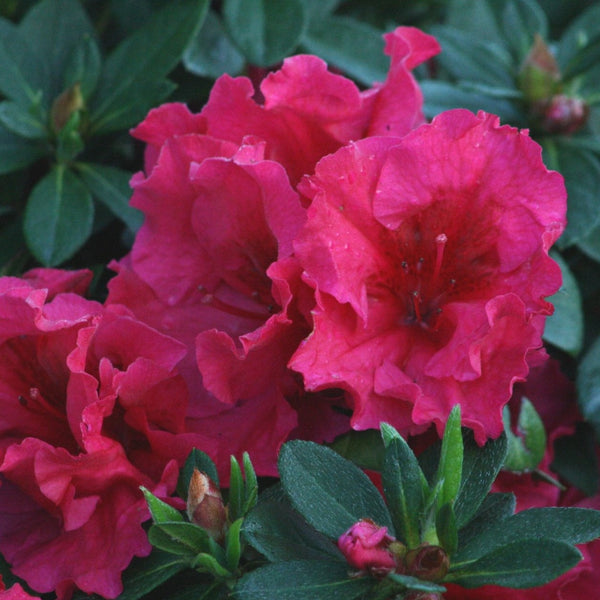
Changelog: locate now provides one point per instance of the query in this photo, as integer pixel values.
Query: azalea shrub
(319, 321)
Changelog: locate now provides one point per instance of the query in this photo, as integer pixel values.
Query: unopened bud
(205, 505)
(564, 114)
(427, 562)
(539, 75)
(368, 547)
(65, 105)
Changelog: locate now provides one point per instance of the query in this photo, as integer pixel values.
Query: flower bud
(366, 547)
(539, 75)
(65, 105)
(427, 562)
(205, 505)
(564, 114)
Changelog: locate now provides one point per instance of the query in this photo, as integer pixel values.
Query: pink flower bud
(366, 547)
(564, 114)
(205, 505)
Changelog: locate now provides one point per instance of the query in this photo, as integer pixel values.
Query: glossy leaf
(132, 79)
(110, 186)
(588, 386)
(523, 564)
(521, 20)
(161, 511)
(449, 472)
(196, 460)
(23, 122)
(334, 39)
(302, 580)
(363, 448)
(266, 31)
(84, 66)
(330, 492)
(58, 217)
(17, 152)
(564, 329)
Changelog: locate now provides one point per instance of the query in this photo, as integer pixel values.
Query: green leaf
(302, 580)
(441, 96)
(69, 140)
(24, 123)
(575, 459)
(190, 538)
(403, 486)
(523, 564)
(196, 460)
(446, 529)
(588, 386)
(110, 186)
(278, 532)
(418, 585)
(23, 77)
(146, 574)
(233, 545)
(334, 39)
(590, 244)
(569, 525)
(266, 31)
(211, 53)
(449, 471)
(482, 22)
(58, 217)
(209, 564)
(524, 453)
(161, 511)
(363, 448)
(235, 499)
(17, 152)
(480, 469)
(564, 329)
(58, 27)
(84, 67)
(521, 20)
(330, 492)
(472, 59)
(132, 76)
(581, 171)
(494, 508)
(251, 485)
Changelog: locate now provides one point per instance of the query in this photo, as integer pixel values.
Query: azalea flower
(429, 259)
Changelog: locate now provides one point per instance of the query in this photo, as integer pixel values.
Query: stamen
(440, 245)
(416, 304)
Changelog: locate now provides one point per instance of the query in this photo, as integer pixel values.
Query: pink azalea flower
(429, 258)
(83, 423)
(15, 592)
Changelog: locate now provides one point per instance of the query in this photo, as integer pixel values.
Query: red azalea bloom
(429, 256)
(83, 423)
(15, 592)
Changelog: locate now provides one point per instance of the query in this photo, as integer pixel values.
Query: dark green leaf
(481, 22)
(523, 564)
(495, 507)
(17, 152)
(564, 329)
(449, 471)
(84, 66)
(69, 140)
(575, 459)
(266, 31)
(581, 171)
(209, 564)
(418, 585)
(161, 511)
(58, 217)
(146, 574)
(110, 186)
(211, 53)
(403, 486)
(441, 96)
(588, 386)
(330, 492)
(132, 76)
(302, 580)
(196, 460)
(278, 532)
(480, 468)
(525, 451)
(521, 20)
(569, 525)
(472, 59)
(590, 244)
(21, 121)
(319, 9)
(163, 541)
(334, 40)
(363, 448)
(58, 27)
(445, 526)
(23, 77)
(585, 59)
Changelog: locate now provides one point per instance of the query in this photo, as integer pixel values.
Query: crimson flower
(429, 259)
(15, 592)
